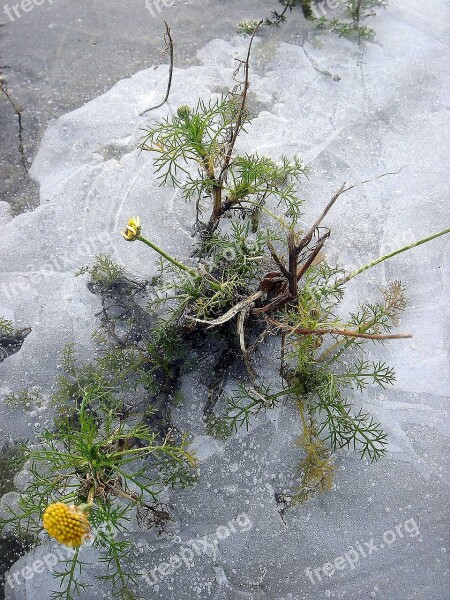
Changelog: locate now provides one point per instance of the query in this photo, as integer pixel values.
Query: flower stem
(175, 262)
(167, 256)
(394, 253)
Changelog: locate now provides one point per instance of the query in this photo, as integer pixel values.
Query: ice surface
(388, 111)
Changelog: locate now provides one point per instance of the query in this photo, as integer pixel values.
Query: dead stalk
(168, 50)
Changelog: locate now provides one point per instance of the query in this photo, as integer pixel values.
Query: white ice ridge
(388, 111)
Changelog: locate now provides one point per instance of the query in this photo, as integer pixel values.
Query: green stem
(171, 450)
(284, 392)
(87, 506)
(301, 410)
(394, 253)
(167, 256)
(148, 449)
(71, 575)
(175, 262)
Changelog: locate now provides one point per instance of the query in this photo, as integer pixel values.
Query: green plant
(11, 459)
(247, 27)
(104, 272)
(277, 18)
(11, 339)
(25, 399)
(204, 138)
(11, 547)
(6, 327)
(287, 290)
(18, 112)
(351, 27)
(103, 453)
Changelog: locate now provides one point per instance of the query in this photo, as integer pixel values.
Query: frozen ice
(389, 110)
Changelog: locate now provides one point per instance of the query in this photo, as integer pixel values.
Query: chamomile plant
(253, 265)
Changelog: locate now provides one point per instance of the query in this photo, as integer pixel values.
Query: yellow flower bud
(68, 524)
(133, 229)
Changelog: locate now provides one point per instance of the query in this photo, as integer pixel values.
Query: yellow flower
(68, 524)
(133, 229)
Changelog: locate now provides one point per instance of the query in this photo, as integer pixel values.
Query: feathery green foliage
(6, 327)
(194, 150)
(100, 450)
(25, 399)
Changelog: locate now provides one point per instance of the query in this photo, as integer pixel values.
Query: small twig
(277, 303)
(343, 332)
(241, 333)
(278, 260)
(217, 181)
(283, 347)
(19, 117)
(293, 279)
(313, 255)
(308, 237)
(169, 48)
(240, 117)
(261, 337)
(357, 12)
(317, 68)
(130, 497)
(286, 6)
(342, 190)
(278, 17)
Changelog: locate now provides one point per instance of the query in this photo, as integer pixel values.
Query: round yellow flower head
(133, 229)
(68, 524)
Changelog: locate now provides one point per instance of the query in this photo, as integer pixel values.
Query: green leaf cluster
(101, 450)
